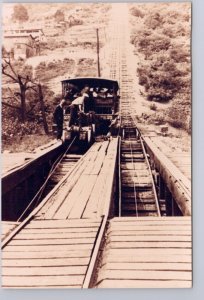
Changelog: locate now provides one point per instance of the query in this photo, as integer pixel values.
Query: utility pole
(42, 105)
(98, 59)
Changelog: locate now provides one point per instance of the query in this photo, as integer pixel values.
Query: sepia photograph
(96, 145)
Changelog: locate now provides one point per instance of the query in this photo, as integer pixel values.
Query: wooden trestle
(57, 245)
(7, 227)
(53, 247)
(147, 252)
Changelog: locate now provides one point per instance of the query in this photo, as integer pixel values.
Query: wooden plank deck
(180, 159)
(177, 181)
(7, 227)
(149, 252)
(82, 193)
(58, 257)
(12, 161)
(53, 248)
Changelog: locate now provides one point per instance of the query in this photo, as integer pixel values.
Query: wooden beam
(176, 182)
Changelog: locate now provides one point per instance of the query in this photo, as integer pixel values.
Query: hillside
(161, 35)
(161, 61)
(68, 50)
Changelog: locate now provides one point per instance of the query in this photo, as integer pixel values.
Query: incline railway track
(72, 238)
(62, 166)
(58, 243)
(62, 169)
(139, 248)
(138, 195)
(137, 192)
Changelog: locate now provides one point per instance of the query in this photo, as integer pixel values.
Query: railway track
(138, 193)
(61, 167)
(65, 165)
(58, 243)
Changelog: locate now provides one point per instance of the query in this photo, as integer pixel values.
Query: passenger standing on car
(78, 106)
(59, 118)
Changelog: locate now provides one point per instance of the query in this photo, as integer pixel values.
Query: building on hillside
(55, 29)
(23, 42)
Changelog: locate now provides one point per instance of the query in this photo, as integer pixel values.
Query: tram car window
(92, 105)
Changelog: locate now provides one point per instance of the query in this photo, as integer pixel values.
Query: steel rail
(135, 190)
(152, 179)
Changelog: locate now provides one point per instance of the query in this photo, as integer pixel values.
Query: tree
(20, 13)
(22, 76)
(136, 12)
(23, 82)
(39, 90)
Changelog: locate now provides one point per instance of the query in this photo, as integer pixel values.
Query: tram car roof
(94, 82)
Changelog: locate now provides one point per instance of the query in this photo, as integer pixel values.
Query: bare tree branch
(9, 75)
(10, 105)
(27, 80)
(8, 63)
(25, 83)
(32, 107)
(33, 88)
(12, 69)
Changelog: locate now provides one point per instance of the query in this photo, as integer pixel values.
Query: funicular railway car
(99, 107)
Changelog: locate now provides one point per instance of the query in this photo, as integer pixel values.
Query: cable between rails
(134, 185)
(52, 170)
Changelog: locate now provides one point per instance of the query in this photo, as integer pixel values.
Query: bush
(169, 31)
(176, 123)
(157, 119)
(154, 20)
(50, 70)
(157, 83)
(165, 68)
(153, 43)
(143, 80)
(178, 115)
(20, 13)
(136, 12)
(153, 106)
(53, 44)
(180, 55)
